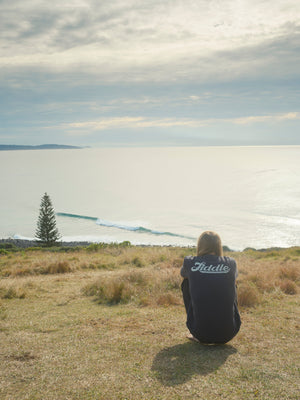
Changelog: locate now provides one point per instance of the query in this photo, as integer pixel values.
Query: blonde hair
(209, 243)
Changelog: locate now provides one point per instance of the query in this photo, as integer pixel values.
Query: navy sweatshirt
(212, 312)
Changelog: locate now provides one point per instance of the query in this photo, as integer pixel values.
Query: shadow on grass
(177, 364)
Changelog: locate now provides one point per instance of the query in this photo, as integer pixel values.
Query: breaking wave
(132, 228)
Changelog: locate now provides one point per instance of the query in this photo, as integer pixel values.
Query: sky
(150, 72)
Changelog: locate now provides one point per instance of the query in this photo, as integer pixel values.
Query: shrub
(262, 283)
(68, 249)
(289, 272)
(167, 300)
(119, 292)
(8, 246)
(248, 295)
(173, 281)
(105, 266)
(32, 249)
(138, 278)
(226, 249)
(295, 251)
(144, 301)
(114, 246)
(22, 271)
(110, 291)
(142, 287)
(3, 313)
(177, 262)
(288, 287)
(93, 289)
(270, 254)
(23, 356)
(60, 267)
(137, 262)
(12, 293)
(126, 243)
(94, 247)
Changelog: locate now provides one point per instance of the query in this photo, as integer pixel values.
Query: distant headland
(38, 147)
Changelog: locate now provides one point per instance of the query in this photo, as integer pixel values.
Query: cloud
(88, 127)
(130, 122)
(151, 41)
(267, 118)
(84, 66)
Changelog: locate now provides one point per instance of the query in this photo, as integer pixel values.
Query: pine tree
(46, 231)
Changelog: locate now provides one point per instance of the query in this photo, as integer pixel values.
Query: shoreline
(24, 244)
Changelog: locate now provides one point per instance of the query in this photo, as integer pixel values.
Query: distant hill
(39, 147)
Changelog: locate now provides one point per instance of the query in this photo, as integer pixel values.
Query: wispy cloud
(267, 118)
(89, 127)
(130, 122)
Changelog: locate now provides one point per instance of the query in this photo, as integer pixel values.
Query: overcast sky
(150, 72)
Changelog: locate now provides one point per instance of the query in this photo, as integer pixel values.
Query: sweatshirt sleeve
(236, 270)
(184, 269)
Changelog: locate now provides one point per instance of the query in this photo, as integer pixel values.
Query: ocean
(156, 195)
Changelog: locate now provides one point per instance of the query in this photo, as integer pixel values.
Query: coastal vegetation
(106, 321)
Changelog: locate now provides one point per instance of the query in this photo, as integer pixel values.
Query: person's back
(209, 292)
(212, 316)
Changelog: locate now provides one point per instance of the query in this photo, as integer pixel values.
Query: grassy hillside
(107, 322)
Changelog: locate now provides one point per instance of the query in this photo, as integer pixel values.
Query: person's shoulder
(187, 263)
(230, 260)
(188, 259)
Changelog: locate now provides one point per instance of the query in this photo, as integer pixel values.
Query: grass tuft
(248, 295)
(3, 313)
(261, 282)
(168, 299)
(143, 287)
(289, 272)
(12, 292)
(288, 287)
(137, 262)
(110, 292)
(119, 292)
(23, 356)
(60, 267)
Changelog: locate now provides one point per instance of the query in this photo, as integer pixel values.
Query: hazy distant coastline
(38, 147)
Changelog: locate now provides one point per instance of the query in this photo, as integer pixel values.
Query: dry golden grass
(288, 286)
(263, 273)
(248, 295)
(110, 324)
(142, 287)
(37, 262)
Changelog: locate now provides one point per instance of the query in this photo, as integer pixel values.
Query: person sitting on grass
(209, 292)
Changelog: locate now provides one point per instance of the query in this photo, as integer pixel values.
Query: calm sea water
(249, 195)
